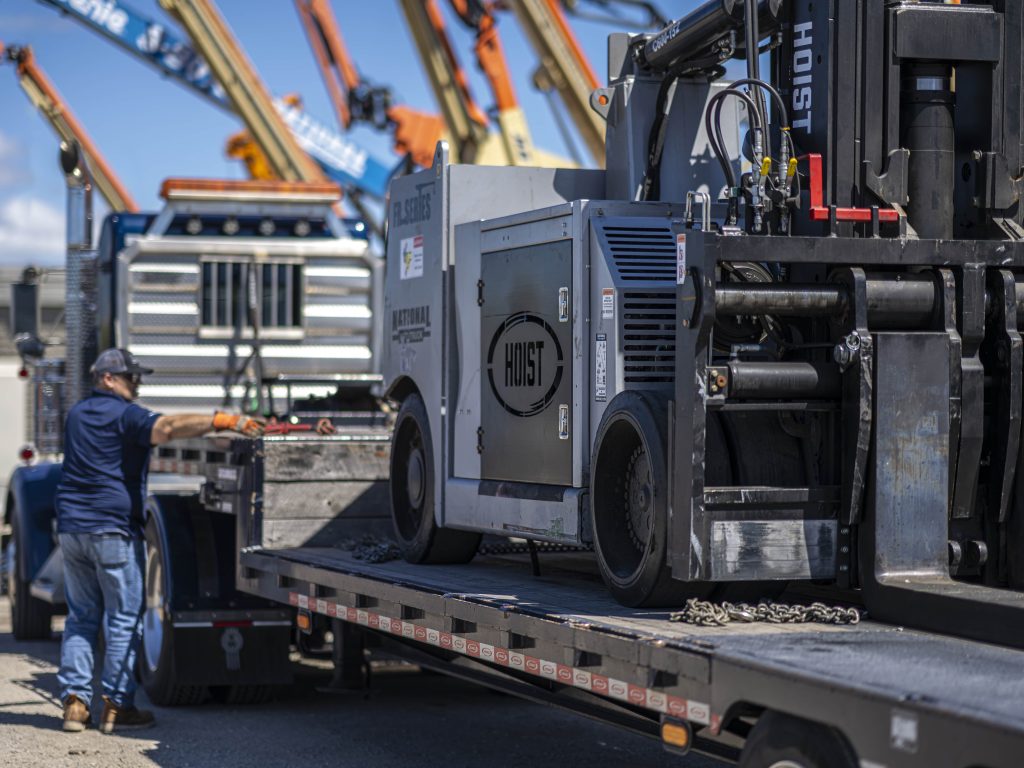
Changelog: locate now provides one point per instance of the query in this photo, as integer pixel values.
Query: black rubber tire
(629, 472)
(242, 695)
(779, 738)
(157, 675)
(412, 494)
(30, 616)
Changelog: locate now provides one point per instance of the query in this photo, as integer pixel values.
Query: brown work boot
(117, 718)
(76, 714)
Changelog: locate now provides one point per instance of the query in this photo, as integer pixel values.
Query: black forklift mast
(905, 121)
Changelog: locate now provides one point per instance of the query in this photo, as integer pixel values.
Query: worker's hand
(325, 427)
(236, 422)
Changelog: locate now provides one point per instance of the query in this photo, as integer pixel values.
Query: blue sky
(150, 128)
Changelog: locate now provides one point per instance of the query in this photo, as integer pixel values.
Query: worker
(99, 504)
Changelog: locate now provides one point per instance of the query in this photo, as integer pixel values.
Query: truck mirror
(25, 307)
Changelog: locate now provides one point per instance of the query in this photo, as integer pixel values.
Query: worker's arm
(178, 426)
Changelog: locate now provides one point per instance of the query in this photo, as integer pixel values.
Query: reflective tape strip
(640, 696)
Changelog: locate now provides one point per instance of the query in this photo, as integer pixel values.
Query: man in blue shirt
(100, 502)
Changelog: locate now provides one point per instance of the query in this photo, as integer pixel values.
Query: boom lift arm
(51, 105)
(415, 133)
(343, 161)
(490, 55)
(467, 124)
(250, 99)
(563, 67)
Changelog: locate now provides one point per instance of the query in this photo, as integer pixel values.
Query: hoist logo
(525, 364)
(803, 77)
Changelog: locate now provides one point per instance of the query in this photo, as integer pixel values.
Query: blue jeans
(102, 583)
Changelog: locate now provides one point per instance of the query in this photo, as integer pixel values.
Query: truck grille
(648, 337)
(642, 253)
(224, 290)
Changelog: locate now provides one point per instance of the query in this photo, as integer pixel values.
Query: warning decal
(680, 259)
(411, 257)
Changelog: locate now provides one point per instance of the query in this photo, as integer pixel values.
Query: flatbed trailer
(543, 626)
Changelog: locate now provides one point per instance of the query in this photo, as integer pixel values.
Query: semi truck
(250, 296)
(769, 353)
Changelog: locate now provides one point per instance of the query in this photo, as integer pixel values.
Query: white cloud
(31, 232)
(12, 162)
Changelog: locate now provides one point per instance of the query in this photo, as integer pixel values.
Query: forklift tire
(30, 616)
(412, 494)
(629, 502)
(784, 740)
(155, 658)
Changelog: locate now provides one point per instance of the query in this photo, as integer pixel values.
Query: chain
(704, 613)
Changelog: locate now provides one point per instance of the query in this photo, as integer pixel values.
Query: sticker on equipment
(412, 257)
(903, 730)
(680, 259)
(601, 367)
(607, 303)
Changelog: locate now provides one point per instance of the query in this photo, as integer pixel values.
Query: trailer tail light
(304, 622)
(23, 372)
(675, 735)
(27, 453)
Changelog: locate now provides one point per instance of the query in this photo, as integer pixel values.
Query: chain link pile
(704, 613)
(371, 549)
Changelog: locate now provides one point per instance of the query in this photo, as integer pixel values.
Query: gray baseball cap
(115, 360)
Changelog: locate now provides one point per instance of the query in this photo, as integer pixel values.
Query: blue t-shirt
(106, 459)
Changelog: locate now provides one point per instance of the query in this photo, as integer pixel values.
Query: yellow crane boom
(563, 67)
(249, 97)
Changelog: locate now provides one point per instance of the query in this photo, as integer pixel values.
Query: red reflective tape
(638, 695)
(677, 707)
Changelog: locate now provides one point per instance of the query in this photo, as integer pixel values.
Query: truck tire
(780, 740)
(30, 616)
(242, 695)
(412, 494)
(629, 503)
(156, 652)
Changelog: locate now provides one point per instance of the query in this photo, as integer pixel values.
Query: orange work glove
(236, 422)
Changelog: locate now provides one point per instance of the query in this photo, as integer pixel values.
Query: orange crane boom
(490, 55)
(414, 132)
(42, 93)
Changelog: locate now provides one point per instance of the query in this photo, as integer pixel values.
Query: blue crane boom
(341, 159)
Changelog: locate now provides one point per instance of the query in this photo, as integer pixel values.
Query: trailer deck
(921, 699)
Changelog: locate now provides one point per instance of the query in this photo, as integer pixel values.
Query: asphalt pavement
(409, 719)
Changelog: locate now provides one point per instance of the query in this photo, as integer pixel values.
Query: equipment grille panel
(648, 337)
(642, 253)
